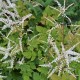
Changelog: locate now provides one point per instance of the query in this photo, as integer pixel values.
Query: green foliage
(34, 34)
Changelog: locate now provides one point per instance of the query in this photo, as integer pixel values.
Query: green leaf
(42, 70)
(33, 56)
(34, 43)
(27, 54)
(1, 79)
(25, 77)
(48, 2)
(50, 12)
(36, 76)
(66, 76)
(42, 37)
(26, 69)
(41, 29)
(32, 65)
(55, 77)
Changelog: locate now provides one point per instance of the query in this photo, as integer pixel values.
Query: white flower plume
(62, 59)
(62, 9)
(9, 51)
(10, 18)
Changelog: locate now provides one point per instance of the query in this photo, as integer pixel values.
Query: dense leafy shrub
(39, 40)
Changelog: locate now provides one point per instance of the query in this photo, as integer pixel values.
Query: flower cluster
(62, 59)
(65, 57)
(11, 19)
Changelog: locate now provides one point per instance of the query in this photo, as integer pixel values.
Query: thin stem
(62, 26)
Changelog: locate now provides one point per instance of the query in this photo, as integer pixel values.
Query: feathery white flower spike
(6, 51)
(20, 43)
(20, 62)
(11, 63)
(46, 65)
(53, 44)
(62, 59)
(3, 76)
(62, 9)
(12, 20)
(52, 72)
